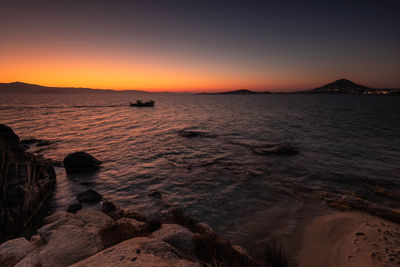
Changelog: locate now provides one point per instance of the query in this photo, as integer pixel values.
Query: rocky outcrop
(90, 238)
(81, 162)
(26, 183)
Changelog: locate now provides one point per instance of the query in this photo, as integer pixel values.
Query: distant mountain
(342, 86)
(27, 88)
(236, 92)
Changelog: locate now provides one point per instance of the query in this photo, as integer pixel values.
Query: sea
(349, 145)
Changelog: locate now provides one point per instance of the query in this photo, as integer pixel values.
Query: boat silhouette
(139, 103)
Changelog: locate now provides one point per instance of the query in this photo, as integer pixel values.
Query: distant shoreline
(341, 86)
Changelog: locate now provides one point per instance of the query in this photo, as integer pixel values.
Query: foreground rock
(81, 162)
(26, 183)
(139, 251)
(92, 238)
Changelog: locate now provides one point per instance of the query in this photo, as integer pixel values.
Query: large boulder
(178, 236)
(69, 244)
(26, 183)
(139, 251)
(81, 162)
(12, 251)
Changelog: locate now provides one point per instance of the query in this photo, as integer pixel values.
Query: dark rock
(73, 208)
(89, 196)
(283, 149)
(135, 215)
(153, 224)
(191, 133)
(30, 141)
(38, 142)
(112, 210)
(8, 135)
(154, 194)
(108, 207)
(86, 183)
(81, 162)
(26, 183)
(43, 143)
(57, 163)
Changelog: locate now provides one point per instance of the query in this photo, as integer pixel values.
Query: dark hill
(236, 92)
(27, 88)
(342, 86)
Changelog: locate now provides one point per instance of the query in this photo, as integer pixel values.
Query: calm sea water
(347, 144)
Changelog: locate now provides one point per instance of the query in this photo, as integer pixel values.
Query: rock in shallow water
(89, 196)
(81, 162)
(73, 208)
(283, 149)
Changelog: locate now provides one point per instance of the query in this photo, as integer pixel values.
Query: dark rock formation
(192, 133)
(26, 183)
(154, 194)
(81, 162)
(89, 196)
(73, 208)
(38, 142)
(108, 207)
(283, 149)
(111, 210)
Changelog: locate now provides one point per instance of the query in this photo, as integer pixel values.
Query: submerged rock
(81, 162)
(155, 194)
(283, 149)
(38, 142)
(192, 133)
(89, 196)
(26, 183)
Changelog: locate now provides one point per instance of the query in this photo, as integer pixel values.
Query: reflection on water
(347, 145)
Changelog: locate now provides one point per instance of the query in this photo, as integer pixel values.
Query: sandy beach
(350, 239)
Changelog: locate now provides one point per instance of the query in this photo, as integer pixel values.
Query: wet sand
(350, 239)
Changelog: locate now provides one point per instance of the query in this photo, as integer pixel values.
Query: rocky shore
(87, 237)
(114, 237)
(107, 235)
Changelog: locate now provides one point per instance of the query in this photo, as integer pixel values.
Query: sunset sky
(200, 45)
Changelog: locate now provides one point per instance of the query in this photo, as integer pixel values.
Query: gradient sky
(200, 45)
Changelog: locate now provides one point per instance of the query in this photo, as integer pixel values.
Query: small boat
(142, 104)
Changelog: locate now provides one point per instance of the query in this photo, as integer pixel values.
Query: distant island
(27, 88)
(237, 92)
(344, 86)
(341, 86)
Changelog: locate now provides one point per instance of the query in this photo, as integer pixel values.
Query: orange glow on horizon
(100, 69)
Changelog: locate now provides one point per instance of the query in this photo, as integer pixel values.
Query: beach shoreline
(350, 238)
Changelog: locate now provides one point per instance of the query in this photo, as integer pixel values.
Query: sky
(200, 46)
